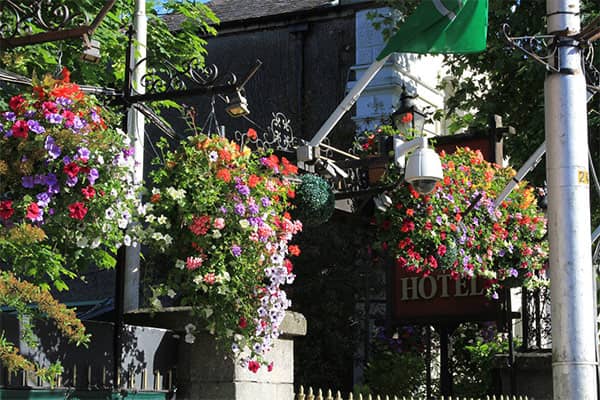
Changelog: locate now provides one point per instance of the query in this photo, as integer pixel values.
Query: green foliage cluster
(475, 348)
(177, 47)
(314, 201)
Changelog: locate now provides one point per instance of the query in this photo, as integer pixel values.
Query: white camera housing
(423, 170)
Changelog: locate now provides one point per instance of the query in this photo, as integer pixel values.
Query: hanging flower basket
(457, 230)
(66, 188)
(219, 232)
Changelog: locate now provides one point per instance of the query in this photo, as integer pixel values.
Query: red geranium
(77, 210)
(6, 210)
(16, 102)
(71, 169)
(88, 192)
(20, 129)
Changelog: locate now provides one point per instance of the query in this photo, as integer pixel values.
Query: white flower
(123, 222)
(189, 338)
(235, 348)
(216, 234)
(100, 159)
(150, 218)
(180, 264)
(213, 156)
(96, 242)
(162, 220)
(155, 191)
(127, 240)
(109, 213)
(175, 194)
(157, 236)
(244, 223)
(168, 239)
(82, 242)
(190, 328)
(171, 293)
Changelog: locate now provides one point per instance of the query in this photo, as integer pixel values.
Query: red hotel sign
(439, 297)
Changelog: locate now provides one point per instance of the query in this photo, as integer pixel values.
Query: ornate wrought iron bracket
(168, 82)
(56, 20)
(279, 136)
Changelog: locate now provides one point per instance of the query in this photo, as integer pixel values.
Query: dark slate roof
(237, 10)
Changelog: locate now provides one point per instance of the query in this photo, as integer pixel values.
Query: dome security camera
(423, 170)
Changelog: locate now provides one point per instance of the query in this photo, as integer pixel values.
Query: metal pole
(573, 342)
(348, 101)
(136, 133)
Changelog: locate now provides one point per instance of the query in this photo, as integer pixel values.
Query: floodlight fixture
(237, 104)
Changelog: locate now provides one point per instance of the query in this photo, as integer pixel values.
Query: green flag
(442, 26)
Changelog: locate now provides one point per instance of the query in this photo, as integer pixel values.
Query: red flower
(20, 129)
(242, 323)
(71, 169)
(77, 210)
(253, 366)
(406, 118)
(155, 198)
(200, 225)
(33, 212)
(88, 192)
(401, 262)
(294, 250)
(253, 180)
(6, 210)
(252, 134)
(291, 193)
(432, 261)
(428, 225)
(288, 265)
(407, 226)
(224, 175)
(16, 102)
(441, 250)
(224, 155)
(270, 366)
(288, 168)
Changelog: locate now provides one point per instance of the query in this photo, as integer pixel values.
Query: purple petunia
(72, 181)
(78, 123)
(9, 116)
(83, 154)
(265, 201)
(236, 250)
(52, 148)
(54, 118)
(239, 209)
(43, 199)
(27, 182)
(35, 127)
(253, 209)
(243, 189)
(513, 272)
(93, 175)
(64, 101)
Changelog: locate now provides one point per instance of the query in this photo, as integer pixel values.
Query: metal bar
(94, 25)
(348, 102)
(574, 364)
(177, 94)
(44, 37)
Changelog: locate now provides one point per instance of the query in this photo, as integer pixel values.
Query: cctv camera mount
(423, 168)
